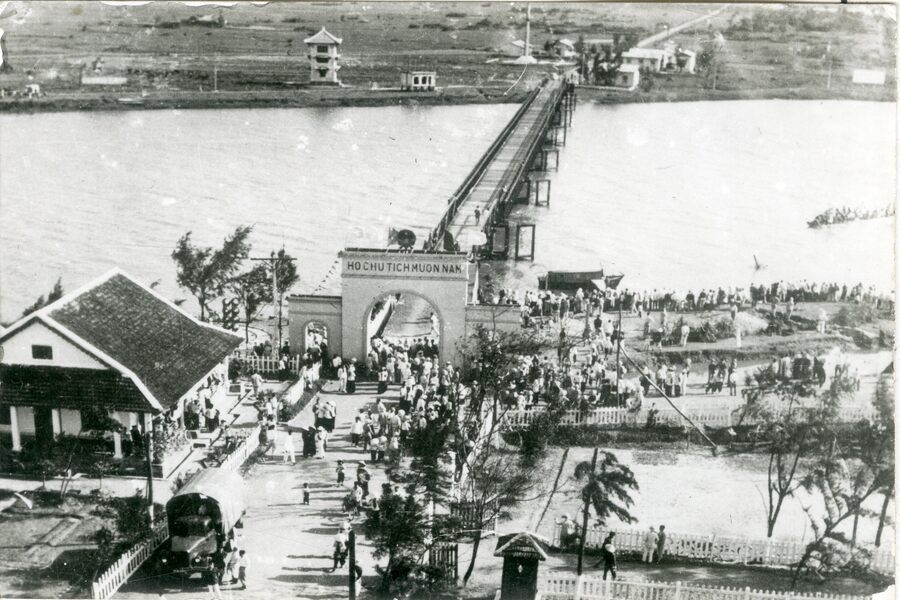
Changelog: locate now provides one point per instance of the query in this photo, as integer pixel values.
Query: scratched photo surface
(426, 299)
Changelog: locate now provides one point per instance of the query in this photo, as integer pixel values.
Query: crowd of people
(835, 216)
(539, 305)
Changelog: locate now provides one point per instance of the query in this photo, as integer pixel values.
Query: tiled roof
(168, 350)
(323, 37)
(62, 387)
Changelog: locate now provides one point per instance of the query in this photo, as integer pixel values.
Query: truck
(201, 516)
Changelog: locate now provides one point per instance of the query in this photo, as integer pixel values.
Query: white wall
(17, 349)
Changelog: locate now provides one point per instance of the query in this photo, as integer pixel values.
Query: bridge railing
(437, 236)
(522, 157)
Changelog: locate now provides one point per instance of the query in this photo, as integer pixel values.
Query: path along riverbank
(328, 97)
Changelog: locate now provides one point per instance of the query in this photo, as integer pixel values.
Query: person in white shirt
(650, 542)
(289, 448)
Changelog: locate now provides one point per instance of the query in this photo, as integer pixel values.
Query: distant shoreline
(363, 97)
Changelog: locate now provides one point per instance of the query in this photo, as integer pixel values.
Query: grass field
(776, 49)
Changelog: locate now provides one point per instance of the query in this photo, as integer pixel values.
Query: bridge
(512, 170)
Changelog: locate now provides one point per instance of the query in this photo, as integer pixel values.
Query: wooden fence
(266, 365)
(245, 448)
(592, 588)
(618, 417)
(445, 556)
(723, 549)
(119, 572)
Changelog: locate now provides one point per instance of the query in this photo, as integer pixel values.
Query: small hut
(522, 554)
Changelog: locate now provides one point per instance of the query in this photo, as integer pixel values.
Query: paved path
(289, 544)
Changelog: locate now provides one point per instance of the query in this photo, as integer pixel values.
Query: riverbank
(327, 97)
(306, 97)
(699, 94)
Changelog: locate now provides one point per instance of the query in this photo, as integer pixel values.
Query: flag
(393, 236)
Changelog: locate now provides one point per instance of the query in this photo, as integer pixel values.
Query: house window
(322, 60)
(40, 352)
(322, 49)
(415, 81)
(323, 73)
(94, 419)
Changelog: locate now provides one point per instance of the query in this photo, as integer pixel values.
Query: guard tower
(522, 553)
(324, 55)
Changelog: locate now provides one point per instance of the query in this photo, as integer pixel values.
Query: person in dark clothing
(608, 556)
(137, 440)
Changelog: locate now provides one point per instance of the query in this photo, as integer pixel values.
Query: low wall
(494, 316)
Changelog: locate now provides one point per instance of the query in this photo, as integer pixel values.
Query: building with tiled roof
(113, 346)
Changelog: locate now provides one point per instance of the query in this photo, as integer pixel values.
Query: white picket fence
(118, 573)
(723, 549)
(266, 365)
(569, 587)
(245, 448)
(725, 416)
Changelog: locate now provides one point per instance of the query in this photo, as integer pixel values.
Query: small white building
(686, 60)
(649, 58)
(324, 57)
(418, 81)
(563, 49)
(869, 76)
(628, 76)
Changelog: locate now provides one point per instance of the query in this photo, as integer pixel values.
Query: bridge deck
(499, 175)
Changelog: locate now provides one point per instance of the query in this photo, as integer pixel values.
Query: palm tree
(607, 487)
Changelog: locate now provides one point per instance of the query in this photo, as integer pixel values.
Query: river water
(81, 193)
(673, 195)
(682, 195)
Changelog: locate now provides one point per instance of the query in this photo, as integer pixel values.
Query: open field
(176, 62)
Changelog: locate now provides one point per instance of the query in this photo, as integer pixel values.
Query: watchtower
(324, 56)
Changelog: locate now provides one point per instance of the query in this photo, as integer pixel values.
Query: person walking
(320, 442)
(660, 543)
(339, 554)
(477, 215)
(608, 556)
(256, 381)
(211, 579)
(351, 377)
(242, 564)
(650, 541)
(342, 379)
(289, 448)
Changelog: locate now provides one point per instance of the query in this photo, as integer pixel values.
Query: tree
(607, 488)
(874, 447)
(205, 271)
(843, 486)
(253, 290)
(55, 294)
(798, 424)
(401, 530)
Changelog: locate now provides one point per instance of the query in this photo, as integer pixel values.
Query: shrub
(854, 316)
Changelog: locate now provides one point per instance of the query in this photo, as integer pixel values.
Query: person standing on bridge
(477, 215)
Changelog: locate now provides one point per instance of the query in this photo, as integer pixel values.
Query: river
(682, 195)
(81, 193)
(672, 195)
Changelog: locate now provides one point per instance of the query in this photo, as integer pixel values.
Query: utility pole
(351, 548)
(149, 451)
(618, 348)
(274, 261)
